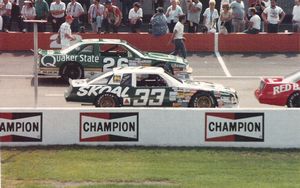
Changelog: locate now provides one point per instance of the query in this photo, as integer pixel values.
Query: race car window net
(126, 80)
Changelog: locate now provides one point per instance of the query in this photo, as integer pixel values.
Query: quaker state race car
(280, 91)
(148, 86)
(91, 56)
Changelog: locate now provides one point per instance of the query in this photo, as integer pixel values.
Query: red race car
(280, 91)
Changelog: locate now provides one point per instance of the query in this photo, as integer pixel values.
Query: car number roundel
(110, 63)
(154, 97)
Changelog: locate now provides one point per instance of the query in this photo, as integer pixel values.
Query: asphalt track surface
(239, 71)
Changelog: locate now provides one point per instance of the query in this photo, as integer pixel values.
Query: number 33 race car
(148, 86)
(91, 56)
(280, 91)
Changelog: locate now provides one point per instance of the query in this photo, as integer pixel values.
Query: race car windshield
(293, 77)
(69, 49)
(136, 49)
(177, 79)
(99, 76)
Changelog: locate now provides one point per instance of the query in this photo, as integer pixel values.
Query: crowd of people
(105, 16)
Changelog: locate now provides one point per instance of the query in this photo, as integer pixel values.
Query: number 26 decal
(154, 97)
(110, 63)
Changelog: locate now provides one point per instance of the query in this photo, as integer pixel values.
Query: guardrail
(237, 42)
(254, 128)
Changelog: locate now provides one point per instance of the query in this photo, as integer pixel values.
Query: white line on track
(54, 95)
(219, 57)
(223, 65)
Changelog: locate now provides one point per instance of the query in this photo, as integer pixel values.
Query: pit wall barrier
(253, 128)
(280, 42)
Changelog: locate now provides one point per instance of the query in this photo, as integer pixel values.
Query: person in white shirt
(172, 14)
(254, 22)
(5, 13)
(177, 37)
(57, 10)
(296, 16)
(65, 33)
(27, 13)
(194, 13)
(210, 16)
(267, 3)
(75, 10)
(135, 17)
(95, 16)
(273, 16)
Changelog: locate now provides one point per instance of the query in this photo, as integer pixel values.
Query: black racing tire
(294, 100)
(166, 67)
(107, 100)
(202, 100)
(71, 70)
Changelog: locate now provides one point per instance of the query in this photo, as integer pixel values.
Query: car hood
(49, 52)
(164, 57)
(197, 85)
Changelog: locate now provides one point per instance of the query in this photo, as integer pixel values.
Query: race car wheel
(294, 100)
(166, 67)
(73, 71)
(202, 100)
(107, 100)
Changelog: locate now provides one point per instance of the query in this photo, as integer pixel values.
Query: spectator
(112, 17)
(172, 14)
(238, 15)
(42, 11)
(65, 32)
(267, 3)
(226, 17)
(159, 23)
(135, 17)
(75, 10)
(194, 13)
(95, 16)
(15, 14)
(260, 6)
(296, 16)
(57, 10)
(210, 16)
(254, 23)
(1, 23)
(28, 13)
(273, 16)
(177, 37)
(5, 13)
(157, 3)
(126, 5)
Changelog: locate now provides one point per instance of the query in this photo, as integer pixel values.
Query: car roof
(138, 70)
(108, 41)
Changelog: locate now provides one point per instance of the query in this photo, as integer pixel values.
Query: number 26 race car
(148, 86)
(280, 91)
(91, 56)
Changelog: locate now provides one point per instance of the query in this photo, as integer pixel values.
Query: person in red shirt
(112, 17)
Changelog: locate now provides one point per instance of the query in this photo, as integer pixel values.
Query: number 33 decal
(110, 63)
(153, 98)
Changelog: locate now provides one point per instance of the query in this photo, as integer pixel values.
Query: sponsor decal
(20, 127)
(234, 127)
(109, 127)
(96, 90)
(50, 60)
(126, 101)
(285, 88)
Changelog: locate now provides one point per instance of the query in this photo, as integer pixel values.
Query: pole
(36, 81)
